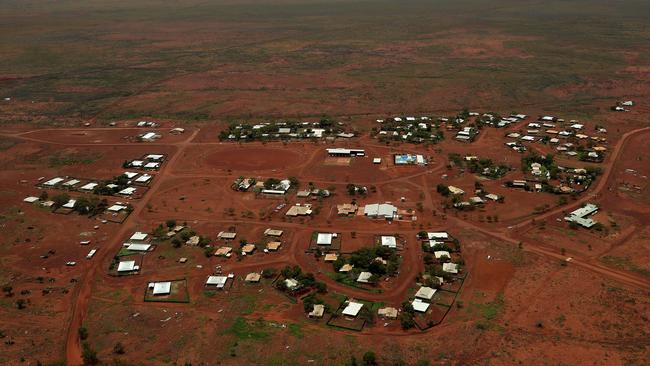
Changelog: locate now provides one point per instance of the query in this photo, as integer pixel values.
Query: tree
(369, 359)
(406, 320)
(170, 223)
(60, 199)
(43, 196)
(89, 355)
(83, 333)
(21, 304)
(119, 348)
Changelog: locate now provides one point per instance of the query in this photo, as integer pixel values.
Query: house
(492, 196)
(217, 281)
(273, 232)
(154, 157)
(253, 277)
(161, 288)
(223, 252)
(299, 210)
(70, 204)
(177, 131)
(325, 238)
(441, 253)
(138, 237)
(144, 178)
(303, 194)
(455, 190)
(425, 293)
(31, 199)
(149, 136)
(450, 267)
(273, 246)
(130, 175)
(127, 266)
(291, 283)
(71, 183)
(248, 249)
(388, 313)
(116, 208)
(579, 216)
(89, 186)
(127, 191)
(476, 200)
(347, 209)
(389, 241)
(380, 211)
(224, 235)
(420, 306)
(54, 181)
(317, 311)
(193, 240)
(364, 277)
(346, 152)
(376, 160)
(152, 165)
(408, 159)
(439, 235)
(331, 257)
(352, 309)
(346, 268)
(135, 247)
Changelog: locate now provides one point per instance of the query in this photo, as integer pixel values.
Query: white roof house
(137, 163)
(127, 191)
(352, 309)
(152, 165)
(53, 181)
(89, 186)
(70, 204)
(455, 190)
(139, 236)
(380, 210)
(126, 266)
(324, 239)
(420, 306)
(438, 235)
(31, 199)
(291, 283)
(450, 267)
(143, 178)
(130, 174)
(116, 208)
(219, 281)
(162, 288)
(154, 157)
(441, 253)
(425, 293)
(136, 247)
(364, 277)
(71, 182)
(389, 241)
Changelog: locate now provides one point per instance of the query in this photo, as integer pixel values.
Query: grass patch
(295, 330)
(625, 264)
(61, 159)
(242, 329)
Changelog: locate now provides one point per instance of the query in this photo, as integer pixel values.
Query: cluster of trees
(271, 130)
(546, 161)
(364, 260)
(305, 280)
(354, 189)
(84, 206)
(120, 182)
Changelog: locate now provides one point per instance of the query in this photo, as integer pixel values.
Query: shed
(324, 239)
(420, 306)
(389, 241)
(218, 281)
(253, 277)
(425, 293)
(364, 277)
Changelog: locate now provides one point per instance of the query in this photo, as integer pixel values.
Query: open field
(203, 61)
(532, 288)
